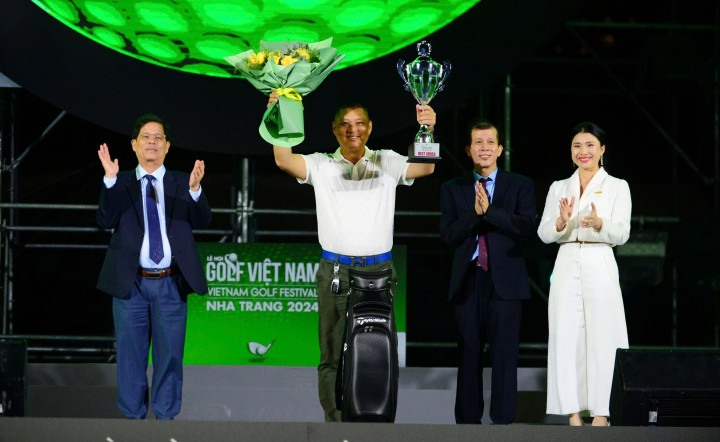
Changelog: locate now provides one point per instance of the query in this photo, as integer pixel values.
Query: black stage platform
(119, 430)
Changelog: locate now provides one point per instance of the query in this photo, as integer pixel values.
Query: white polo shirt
(356, 202)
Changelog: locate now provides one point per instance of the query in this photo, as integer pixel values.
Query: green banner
(262, 305)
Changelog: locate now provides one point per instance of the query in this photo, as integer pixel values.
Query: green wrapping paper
(283, 123)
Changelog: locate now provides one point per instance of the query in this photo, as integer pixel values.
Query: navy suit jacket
(121, 209)
(509, 222)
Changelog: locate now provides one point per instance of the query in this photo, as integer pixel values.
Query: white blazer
(612, 201)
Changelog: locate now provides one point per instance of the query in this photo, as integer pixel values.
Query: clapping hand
(482, 201)
(197, 175)
(592, 220)
(566, 211)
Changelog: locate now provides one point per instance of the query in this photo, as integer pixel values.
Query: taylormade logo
(362, 321)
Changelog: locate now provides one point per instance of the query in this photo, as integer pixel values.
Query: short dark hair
(484, 124)
(590, 128)
(350, 105)
(150, 118)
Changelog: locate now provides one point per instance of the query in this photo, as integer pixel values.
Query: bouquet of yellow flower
(293, 70)
(292, 53)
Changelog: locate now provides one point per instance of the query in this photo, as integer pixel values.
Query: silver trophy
(424, 78)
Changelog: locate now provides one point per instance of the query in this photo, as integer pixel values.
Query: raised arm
(557, 223)
(200, 215)
(108, 213)
(614, 220)
(290, 162)
(419, 170)
(286, 160)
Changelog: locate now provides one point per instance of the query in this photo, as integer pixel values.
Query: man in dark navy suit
(486, 216)
(151, 265)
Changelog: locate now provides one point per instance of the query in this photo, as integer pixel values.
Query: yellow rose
(288, 60)
(253, 59)
(302, 52)
(261, 57)
(276, 58)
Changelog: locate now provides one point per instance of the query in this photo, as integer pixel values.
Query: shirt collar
(491, 176)
(337, 155)
(159, 174)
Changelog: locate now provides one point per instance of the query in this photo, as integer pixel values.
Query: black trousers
(481, 316)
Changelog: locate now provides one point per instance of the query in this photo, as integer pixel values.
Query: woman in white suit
(587, 214)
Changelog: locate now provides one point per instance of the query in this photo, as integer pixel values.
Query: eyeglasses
(155, 137)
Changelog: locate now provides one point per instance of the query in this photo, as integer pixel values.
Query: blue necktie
(156, 245)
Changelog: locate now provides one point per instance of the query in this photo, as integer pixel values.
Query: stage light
(195, 35)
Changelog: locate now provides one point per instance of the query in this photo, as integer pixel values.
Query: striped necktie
(154, 235)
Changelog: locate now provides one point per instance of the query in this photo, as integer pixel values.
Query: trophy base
(424, 153)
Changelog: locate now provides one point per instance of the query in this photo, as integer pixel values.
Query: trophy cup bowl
(424, 78)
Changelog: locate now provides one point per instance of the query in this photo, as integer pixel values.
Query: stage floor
(118, 430)
(264, 393)
(77, 402)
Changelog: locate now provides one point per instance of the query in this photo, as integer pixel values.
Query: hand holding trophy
(424, 78)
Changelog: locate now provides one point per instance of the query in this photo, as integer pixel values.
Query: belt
(584, 242)
(158, 273)
(357, 260)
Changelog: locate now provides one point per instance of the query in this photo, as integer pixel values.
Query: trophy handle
(446, 74)
(403, 74)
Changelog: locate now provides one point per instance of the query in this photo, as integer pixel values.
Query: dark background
(647, 75)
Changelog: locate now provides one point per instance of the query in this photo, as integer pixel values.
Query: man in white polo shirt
(355, 202)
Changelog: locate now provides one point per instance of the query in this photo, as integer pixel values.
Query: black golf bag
(367, 383)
